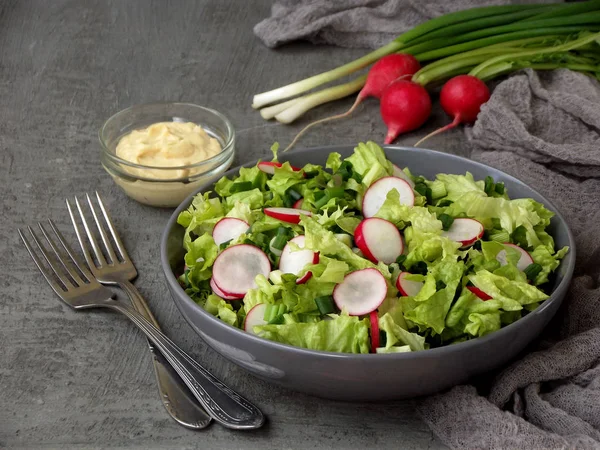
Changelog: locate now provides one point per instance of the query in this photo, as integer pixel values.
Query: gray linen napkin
(543, 128)
(354, 23)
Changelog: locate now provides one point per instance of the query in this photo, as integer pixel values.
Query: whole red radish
(380, 76)
(405, 106)
(461, 98)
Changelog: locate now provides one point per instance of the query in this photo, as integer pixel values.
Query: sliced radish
(289, 215)
(379, 240)
(465, 231)
(219, 292)
(399, 173)
(298, 203)
(374, 318)
(408, 288)
(269, 167)
(479, 293)
(255, 317)
(361, 292)
(377, 193)
(229, 228)
(236, 267)
(524, 260)
(293, 261)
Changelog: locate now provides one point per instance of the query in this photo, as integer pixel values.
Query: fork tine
(62, 258)
(53, 284)
(82, 244)
(103, 235)
(64, 280)
(112, 229)
(75, 260)
(91, 238)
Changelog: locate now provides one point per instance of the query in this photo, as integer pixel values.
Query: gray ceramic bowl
(372, 376)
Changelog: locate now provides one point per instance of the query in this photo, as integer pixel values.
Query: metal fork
(76, 286)
(176, 398)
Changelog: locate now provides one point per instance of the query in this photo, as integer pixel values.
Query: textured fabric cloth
(354, 23)
(543, 128)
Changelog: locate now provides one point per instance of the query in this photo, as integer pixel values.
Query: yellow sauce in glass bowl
(160, 153)
(164, 145)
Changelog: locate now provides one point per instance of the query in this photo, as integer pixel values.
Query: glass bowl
(165, 186)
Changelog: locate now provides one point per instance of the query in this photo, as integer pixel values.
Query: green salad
(362, 256)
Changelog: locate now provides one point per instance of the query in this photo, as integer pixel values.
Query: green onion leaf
(499, 188)
(446, 220)
(325, 304)
(419, 268)
(489, 185)
(294, 194)
(400, 260)
(444, 203)
(519, 237)
(532, 271)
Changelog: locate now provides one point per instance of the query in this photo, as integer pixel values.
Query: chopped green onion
(294, 194)
(279, 241)
(356, 176)
(499, 236)
(325, 304)
(419, 268)
(532, 271)
(438, 189)
(445, 203)
(477, 245)
(446, 220)
(499, 188)
(224, 245)
(519, 237)
(274, 313)
(400, 260)
(489, 185)
(240, 186)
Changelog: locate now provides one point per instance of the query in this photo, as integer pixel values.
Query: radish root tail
(455, 122)
(326, 119)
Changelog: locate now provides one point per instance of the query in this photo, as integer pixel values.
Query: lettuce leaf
(396, 334)
(346, 334)
(369, 161)
(458, 185)
(547, 260)
(512, 294)
(222, 309)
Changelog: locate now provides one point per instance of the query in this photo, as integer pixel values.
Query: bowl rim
(227, 147)
(176, 289)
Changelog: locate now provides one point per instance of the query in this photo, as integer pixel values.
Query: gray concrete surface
(83, 380)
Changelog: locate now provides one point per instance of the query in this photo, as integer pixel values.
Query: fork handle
(177, 399)
(223, 404)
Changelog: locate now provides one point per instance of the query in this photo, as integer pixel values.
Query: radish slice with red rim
(298, 203)
(293, 261)
(524, 260)
(255, 317)
(229, 228)
(360, 292)
(377, 193)
(399, 173)
(465, 231)
(289, 215)
(479, 293)
(236, 267)
(269, 167)
(379, 240)
(217, 290)
(374, 319)
(408, 288)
